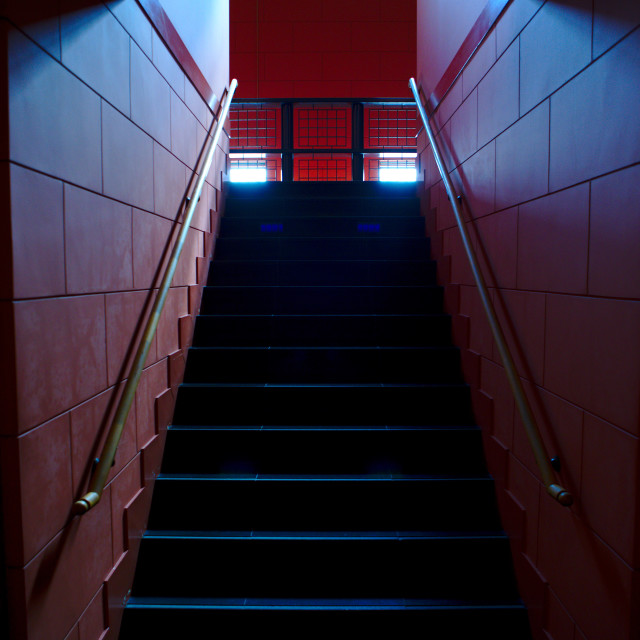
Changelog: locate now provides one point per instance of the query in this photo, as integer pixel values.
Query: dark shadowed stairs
(323, 476)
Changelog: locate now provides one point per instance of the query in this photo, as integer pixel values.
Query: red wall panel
(350, 48)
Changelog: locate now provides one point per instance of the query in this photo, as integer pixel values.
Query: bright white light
(397, 174)
(243, 174)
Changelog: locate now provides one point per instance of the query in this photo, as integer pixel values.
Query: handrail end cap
(85, 503)
(560, 494)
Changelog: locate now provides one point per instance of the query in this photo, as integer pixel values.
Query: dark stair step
(324, 364)
(311, 248)
(327, 190)
(233, 450)
(321, 330)
(327, 300)
(312, 565)
(322, 226)
(322, 272)
(292, 619)
(323, 503)
(323, 405)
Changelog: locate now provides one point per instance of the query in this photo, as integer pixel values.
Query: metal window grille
(373, 162)
(390, 128)
(322, 127)
(330, 167)
(272, 163)
(255, 128)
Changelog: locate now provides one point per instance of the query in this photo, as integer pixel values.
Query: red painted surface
(101, 149)
(481, 27)
(553, 215)
(350, 48)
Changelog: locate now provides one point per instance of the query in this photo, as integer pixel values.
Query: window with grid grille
(322, 127)
(390, 128)
(325, 167)
(255, 128)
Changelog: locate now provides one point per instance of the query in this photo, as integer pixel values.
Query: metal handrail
(105, 461)
(542, 458)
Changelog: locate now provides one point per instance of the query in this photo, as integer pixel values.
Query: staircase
(323, 476)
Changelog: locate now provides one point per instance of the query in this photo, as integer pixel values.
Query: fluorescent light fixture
(397, 174)
(248, 174)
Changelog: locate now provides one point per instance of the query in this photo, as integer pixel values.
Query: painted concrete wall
(100, 134)
(328, 49)
(544, 140)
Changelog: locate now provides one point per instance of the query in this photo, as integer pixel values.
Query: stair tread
(286, 477)
(313, 536)
(323, 603)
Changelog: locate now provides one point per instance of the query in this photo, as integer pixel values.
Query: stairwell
(323, 475)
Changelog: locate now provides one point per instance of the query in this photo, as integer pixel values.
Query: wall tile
(61, 581)
(396, 64)
(37, 234)
(498, 96)
(514, 19)
(522, 159)
(591, 356)
(561, 430)
(195, 103)
(8, 394)
(98, 242)
(130, 16)
(152, 383)
(243, 10)
(525, 487)
(54, 119)
(328, 36)
(150, 98)
(555, 46)
(127, 156)
(483, 59)
(464, 130)
(593, 583)
(496, 245)
(559, 623)
(36, 21)
(354, 65)
(60, 355)
(614, 235)
(275, 37)
(150, 237)
(522, 317)
(494, 383)
(476, 181)
(448, 105)
(87, 34)
(243, 36)
(612, 21)
(610, 468)
(358, 10)
(480, 338)
(175, 306)
(92, 623)
(44, 466)
(183, 132)
(123, 488)
(125, 313)
(169, 182)
(90, 423)
(167, 66)
(553, 242)
(601, 99)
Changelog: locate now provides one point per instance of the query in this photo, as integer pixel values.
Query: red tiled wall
(544, 140)
(327, 49)
(104, 129)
